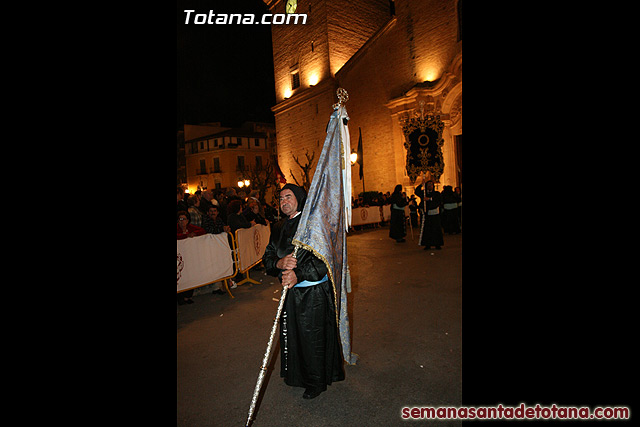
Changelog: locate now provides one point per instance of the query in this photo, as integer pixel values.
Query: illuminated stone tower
(306, 58)
(391, 56)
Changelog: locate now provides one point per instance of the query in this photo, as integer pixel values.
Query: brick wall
(303, 127)
(350, 23)
(374, 66)
(420, 43)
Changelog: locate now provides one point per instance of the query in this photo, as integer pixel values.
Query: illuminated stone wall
(388, 64)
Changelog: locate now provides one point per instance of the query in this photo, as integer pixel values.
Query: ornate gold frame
(421, 121)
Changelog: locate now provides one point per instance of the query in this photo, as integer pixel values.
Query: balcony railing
(201, 171)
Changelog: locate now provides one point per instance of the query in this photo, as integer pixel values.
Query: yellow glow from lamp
(240, 184)
(287, 93)
(313, 80)
(353, 157)
(430, 76)
(431, 72)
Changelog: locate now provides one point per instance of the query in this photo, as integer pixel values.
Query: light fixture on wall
(353, 157)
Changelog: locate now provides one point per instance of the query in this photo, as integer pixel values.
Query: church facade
(396, 59)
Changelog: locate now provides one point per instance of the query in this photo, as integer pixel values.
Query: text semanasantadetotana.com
(522, 412)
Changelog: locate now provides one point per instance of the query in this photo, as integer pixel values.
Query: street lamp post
(244, 183)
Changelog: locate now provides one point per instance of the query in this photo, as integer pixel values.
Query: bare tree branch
(306, 169)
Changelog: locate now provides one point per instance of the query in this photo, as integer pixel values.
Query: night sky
(224, 72)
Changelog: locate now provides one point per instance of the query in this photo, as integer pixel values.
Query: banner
(423, 142)
(386, 213)
(251, 243)
(370, 215)
(327, 215)
(203, 260)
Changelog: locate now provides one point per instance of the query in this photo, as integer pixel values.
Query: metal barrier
(251, 244)
(206, 259)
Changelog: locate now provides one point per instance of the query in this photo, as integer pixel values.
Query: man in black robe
(310, 352)
(397, 227)
(450, 220)
(431, 234)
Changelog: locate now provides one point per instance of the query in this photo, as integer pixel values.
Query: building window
(239, 141)
(216, 164)
(240, 163)
(259, 163)
(203, 167)
(295, 80)
(256, 142)
(215, 143)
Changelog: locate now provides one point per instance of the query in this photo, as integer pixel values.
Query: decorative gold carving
(456, 110)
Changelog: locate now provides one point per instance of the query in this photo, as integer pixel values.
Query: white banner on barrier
(203, 259)
(251, 243)
(386, 212)
(368, 215)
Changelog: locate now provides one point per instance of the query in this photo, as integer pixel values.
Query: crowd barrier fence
(251, 244)
(376, 215)
(362, 216)
(211, 258)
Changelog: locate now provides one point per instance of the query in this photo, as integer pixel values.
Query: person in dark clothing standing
(397, 227)
(431, 230)
(252, 212)
(309, 348)
(184, 231)
(182, 205)
(235, 219)
(413, 211)
(450, 221)
(212, 223)
(205, 202)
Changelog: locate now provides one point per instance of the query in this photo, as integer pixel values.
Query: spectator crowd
(226, 211)
(208, 212)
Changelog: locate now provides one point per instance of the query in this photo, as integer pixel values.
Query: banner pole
(267, 353)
